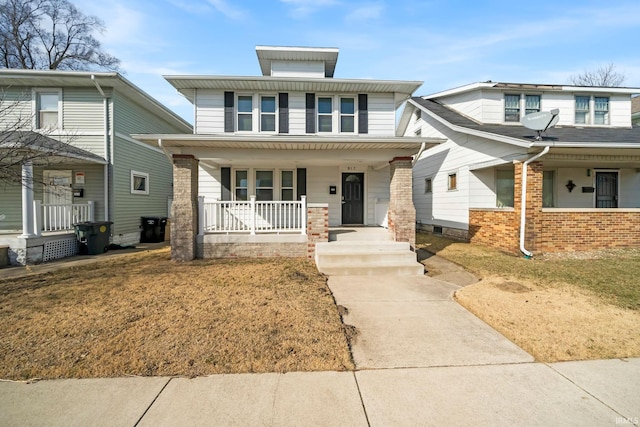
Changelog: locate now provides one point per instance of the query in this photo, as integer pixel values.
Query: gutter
(523, 207)
(164, 150)
(107, 146)
(417, 156)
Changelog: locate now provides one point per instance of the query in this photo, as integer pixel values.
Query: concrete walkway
(421, 360)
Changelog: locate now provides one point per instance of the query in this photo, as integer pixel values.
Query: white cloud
(366, 12)
(304, 8)
(191, 7)
(227, 10)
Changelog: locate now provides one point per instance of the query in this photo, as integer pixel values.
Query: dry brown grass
(146, 315)
(564, 308)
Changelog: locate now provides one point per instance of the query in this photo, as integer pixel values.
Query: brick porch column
(184, 209)
(533, 227)
(317, 226)
(402, 213)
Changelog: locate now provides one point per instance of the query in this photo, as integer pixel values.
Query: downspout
(523, 207)
(107, 146)
(417, 157)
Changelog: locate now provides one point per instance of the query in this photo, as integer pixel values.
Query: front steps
(367, 258)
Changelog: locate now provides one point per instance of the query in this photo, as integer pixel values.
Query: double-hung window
(601, 110)
(245, 113)
(582, 110)
(268, 114)
(264, 185)
(347, 114)
(512, 108)
(242, 185)
(47, 111)
(286, 185)
(531, 104)
(325, 114)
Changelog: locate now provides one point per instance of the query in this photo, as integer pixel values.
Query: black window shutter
(228, 112)
(311, 113)
(363, 113)
(301, 182)
(225, 177)
(283, 115)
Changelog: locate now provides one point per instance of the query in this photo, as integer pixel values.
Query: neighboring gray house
(98, 171)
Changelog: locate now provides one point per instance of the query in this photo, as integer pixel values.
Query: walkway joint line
(152, 402)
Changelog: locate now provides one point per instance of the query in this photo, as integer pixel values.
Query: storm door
(606, 189)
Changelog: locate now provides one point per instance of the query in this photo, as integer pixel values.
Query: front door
(352, 198)
(57, 191)
(606, 189)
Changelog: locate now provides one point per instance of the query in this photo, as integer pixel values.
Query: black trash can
(153, 228)
(93, 236)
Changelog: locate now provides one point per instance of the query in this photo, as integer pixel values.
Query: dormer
(305, 62)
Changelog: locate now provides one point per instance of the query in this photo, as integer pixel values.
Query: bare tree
(605, 76)
(50, 34)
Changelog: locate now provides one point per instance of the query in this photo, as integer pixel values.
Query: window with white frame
(601, 110)
(268, 113)
(583, 111)
(548, 189)
(245, 113)
(286, 185)
(242, 185)
(512, 108)
(504, 188)
(325, 114)
(139, 182)
(47, 109)
(428, 183)
(264, 185)
(347, 114)
(531, 104)
(452, 181)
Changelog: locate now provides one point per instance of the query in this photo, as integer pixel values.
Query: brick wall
(402, 213)
(497, 228)
(317, 226)
(184, 209)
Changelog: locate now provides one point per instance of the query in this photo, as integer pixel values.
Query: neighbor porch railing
(253, 217)
(50, 217)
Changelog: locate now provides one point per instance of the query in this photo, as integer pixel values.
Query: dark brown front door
(606, 189)
(352, 198)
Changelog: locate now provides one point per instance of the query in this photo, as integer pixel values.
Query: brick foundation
(252, 250)
(402, 213)
(317, 226)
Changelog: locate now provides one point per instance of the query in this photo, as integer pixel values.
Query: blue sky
(443, 43)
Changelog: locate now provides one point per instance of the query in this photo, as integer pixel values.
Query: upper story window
(245, 113)
(452, 181)
(531, 104)
(512, 108)
(325, 114)
(583, 112)
(268, 114)
(47, 109)
(601, 110)
(347, 114)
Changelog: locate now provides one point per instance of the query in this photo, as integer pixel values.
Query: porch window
(268, 114)
(139, 182)
(325, 110)
(548, 186)
(47, 112)
(601, 110)
(504, 188)
(512, 108)
(264, 185)
(286, 185)
(582, 110)
(242, 185)
(453, 181)
(245, 113)
(347, 114)
(531, 104)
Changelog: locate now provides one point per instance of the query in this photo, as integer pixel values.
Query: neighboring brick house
(582, 187)
(276, 159)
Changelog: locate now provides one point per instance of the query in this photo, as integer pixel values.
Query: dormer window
(245, 113)
(582, 110)
(601, 110)
(532, 104)
(512, 108)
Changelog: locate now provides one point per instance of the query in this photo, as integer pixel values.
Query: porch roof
(51, 150)
(565, 136)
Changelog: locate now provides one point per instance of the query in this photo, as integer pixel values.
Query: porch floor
(359, 234)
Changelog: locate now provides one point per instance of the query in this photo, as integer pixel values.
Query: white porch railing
(61, 217)
(253, 217)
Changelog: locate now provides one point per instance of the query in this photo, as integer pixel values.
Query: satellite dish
(541, 121)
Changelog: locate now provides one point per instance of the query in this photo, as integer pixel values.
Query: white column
(303, 214)
(27, 200)
(253, 215)
(37, 215)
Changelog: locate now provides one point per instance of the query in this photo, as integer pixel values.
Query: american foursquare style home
(573, 187)
(276, 159)
(91, 169)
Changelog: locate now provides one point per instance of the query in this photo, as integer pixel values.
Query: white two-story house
(269, 147)
(573, 187)
(82, 164)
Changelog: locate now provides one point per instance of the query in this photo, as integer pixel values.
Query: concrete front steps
(367, 258)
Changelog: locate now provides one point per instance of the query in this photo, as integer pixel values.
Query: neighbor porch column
(533, 227)
(184, 209)
(27, 200)
(402, 213)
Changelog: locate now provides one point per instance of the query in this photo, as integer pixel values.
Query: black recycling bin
(152, 229)
(93, 236)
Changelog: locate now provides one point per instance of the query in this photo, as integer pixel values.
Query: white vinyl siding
(468, 104)
(83, 110)
(297, 69)
(382, 115)
(17, 108)
(209, 179)
(209, 112)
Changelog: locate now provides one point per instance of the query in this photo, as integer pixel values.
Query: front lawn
(146, 315)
